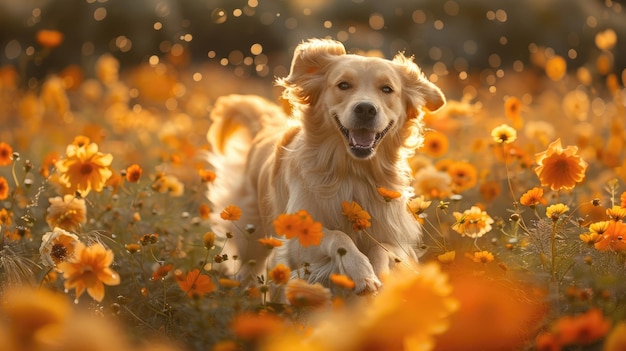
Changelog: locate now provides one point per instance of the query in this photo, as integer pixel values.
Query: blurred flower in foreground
(6, 154)
(616, 341)
(107, 69)
(89, 270)
(556, 67)
(257, 326)
(67, 212)
(473, 222)
(4, 188)
(582, 329)
(57, 246)
(560, 168)
(504, 134)
(279, 274)
(432, 183)
(84, 168)
(49, 38)
(168, 184)
(342, 280)
(299, 293)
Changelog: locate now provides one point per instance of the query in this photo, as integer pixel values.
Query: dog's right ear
(306, 77)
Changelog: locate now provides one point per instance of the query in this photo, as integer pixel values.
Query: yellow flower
(473, 222)
(280, 274)
(590, 238)
(482, 257)
(57, 246)
(231, 213)
(299, 293)
(89, 270)
(66, 212)
(84, 169)
(616, 213)
(555, 211)
(447, 257)
(342, 280)
(616, 341)
(560, 168)
(107, 69)
(418, 205)
(6, 154)
(504, 134)
(388, 194)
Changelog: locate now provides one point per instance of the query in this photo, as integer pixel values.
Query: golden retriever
(355, 122)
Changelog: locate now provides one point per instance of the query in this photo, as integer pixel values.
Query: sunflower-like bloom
(560, 168)
(89, 270)
(504, 134)
(84, 169)
(57, 246)
(473, 222)
(66, 212)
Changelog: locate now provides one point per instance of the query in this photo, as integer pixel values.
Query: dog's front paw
(358, 267)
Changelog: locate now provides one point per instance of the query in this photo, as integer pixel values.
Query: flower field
(107, 237)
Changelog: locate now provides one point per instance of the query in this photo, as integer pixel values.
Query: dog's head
(364, 98)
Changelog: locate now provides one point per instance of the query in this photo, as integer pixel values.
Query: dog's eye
(344, 85)
(386, 89)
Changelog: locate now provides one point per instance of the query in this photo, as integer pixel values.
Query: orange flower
(5, 217)
(81, 141)
(387, 194)
(162, 271)
(447, 257)
(512, 110)
(4, 188)
(560, 168)
(435, 144)
(208, 240)
(48, 161)
(89, 269)
(464, 175)
(49, 38)
(357, 215)
(270, 243)
(418, 205)
(280, 274)
(206, 175)
(622, 200)
(231, 213)
(66, 212)
(6, 154)
(343, 281)
(582, 329)
(613, 238)
(256, 326)
(195, 284)
(473, 222)
(133, 173)
(229, 283)
(490, 190)
(300, 225)
(205, 211)
(84, 169)
(299, 293)
(482, 257)
(533, 197)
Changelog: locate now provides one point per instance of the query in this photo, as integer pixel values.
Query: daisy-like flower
(270, 243)
(555, 211)
(616, 213)
(482, 257)
(614, 238)
(342, 281)
(504, 134)
(57, 246)
(195, 284)
(89, 270)
(279, 274)
(300, 225)
(473, 223)
(231, 213)
(435, 144)
(66, 212)
(4, 188)
(418, 205)
(299, 293)
(533, 197)
(6, 154)
(133, 173)
(560, 168)
(464, 175)
(358, 216)
(388, 194)
(49, 38)
(84, 169)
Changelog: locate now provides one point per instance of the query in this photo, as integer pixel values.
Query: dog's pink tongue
(362, 138)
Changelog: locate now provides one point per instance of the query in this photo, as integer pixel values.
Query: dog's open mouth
(362, 142)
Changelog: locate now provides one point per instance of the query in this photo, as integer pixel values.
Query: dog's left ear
(306, 76)
(419, 90)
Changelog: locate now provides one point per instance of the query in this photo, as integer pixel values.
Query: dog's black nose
(365, 111)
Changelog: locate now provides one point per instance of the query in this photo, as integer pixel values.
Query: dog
(355, 122)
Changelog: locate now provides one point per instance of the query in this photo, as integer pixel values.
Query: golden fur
(356, 120)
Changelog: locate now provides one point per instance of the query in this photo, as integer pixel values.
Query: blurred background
(255, 38)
